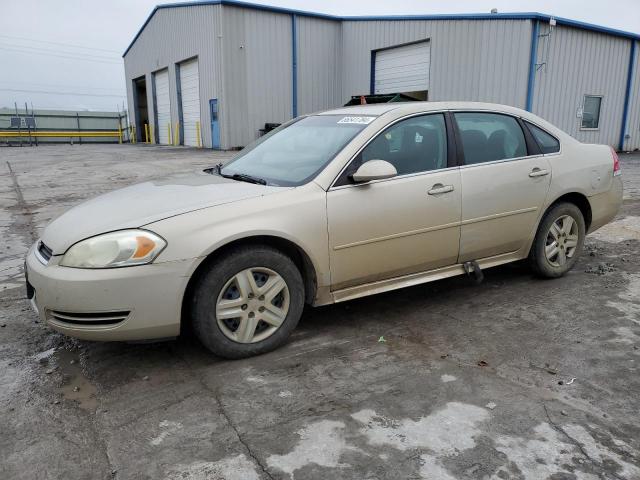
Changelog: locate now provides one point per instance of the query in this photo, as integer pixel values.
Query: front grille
(89, 319)
(45, 252)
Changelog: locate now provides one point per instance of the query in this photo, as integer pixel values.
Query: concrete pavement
(517, 378)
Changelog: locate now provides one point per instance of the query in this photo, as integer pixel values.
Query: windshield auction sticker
(357, 120)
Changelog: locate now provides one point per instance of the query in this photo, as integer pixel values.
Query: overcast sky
(68, 54)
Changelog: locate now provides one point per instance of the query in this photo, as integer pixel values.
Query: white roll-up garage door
(190, 94)
(163, 107)
(403, 69)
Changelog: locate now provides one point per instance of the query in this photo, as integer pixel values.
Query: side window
(547, 142)
(591, 111)
(417, 144)
(490, 136)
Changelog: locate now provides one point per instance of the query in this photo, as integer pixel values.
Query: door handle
(439, 188)
(536, 172)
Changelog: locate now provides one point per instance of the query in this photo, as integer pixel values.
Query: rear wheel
(247, 302)
(559, 241)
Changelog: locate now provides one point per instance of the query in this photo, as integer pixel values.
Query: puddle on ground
(76, 386)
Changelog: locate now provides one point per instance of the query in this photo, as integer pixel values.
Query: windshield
(294, 154)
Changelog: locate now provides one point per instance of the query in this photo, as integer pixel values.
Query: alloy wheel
(562, 241)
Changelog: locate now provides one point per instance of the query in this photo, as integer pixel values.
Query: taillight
(616, 163)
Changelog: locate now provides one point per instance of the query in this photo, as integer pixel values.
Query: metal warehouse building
(216, 71)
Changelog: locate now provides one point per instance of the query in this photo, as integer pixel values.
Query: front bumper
(133, 303)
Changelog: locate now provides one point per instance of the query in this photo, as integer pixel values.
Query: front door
(401, 225)
(504, 185)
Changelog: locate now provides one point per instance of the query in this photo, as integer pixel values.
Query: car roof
(378, 109)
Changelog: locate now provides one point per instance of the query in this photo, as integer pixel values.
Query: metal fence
(32, 127)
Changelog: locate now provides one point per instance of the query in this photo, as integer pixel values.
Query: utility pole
(35, 128)
(15, 104)
(26, 121)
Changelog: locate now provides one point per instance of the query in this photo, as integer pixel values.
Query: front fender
(297, 215)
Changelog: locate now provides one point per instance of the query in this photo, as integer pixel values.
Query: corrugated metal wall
(257, 67)
(476, 60)
(633, 122)
(245, 60)
(577, 63)
(319, 44)
(174, 35)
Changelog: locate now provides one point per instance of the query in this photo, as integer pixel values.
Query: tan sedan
(327, 208)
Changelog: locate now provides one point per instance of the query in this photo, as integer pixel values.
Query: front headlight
(116, 249)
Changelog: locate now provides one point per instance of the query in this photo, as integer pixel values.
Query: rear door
(505, 180)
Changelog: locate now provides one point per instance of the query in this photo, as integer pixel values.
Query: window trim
(533, 148)
(456, 139)
(528, 122)
(451, 152)
(518, 120)
(584, 97)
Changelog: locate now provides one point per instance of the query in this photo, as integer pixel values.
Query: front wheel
(247, 302)
(558, 242)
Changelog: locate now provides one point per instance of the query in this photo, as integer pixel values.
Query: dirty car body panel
(467, 188)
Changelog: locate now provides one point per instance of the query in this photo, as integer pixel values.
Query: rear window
(487, 137)
(547, 142)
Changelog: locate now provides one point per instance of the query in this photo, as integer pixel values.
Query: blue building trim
(533, 16)
(294, 66)
(627, 94)
(533, 56)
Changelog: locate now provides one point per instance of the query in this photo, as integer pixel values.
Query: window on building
(591, 111)
(417, 144)
(547, 142)
(490, 136)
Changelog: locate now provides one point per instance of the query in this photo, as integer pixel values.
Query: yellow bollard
(146, 133)
(176, 135)
(120, 135)
(169, 133)
(152, 138)
(198, 134)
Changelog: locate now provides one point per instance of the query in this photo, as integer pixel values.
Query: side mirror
(374, 170)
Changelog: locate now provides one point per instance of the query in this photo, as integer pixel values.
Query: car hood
(145, 203)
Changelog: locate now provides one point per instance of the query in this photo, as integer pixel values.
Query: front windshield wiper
(241, 177)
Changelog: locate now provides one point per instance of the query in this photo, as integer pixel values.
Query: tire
(234, 317)
(567, 239)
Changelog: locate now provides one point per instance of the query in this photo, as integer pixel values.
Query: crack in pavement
(576, 443)
(23, 204)
(224, 413)
(96, 433)
(227, 418)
